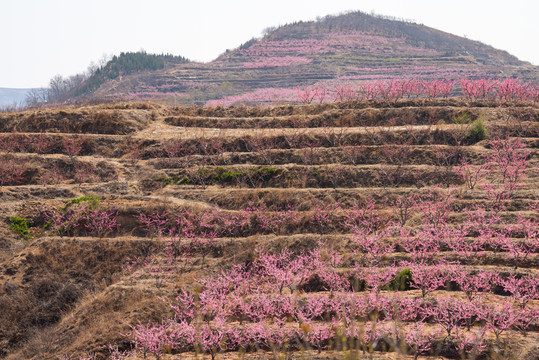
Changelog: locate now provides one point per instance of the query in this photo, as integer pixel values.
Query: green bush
(401, 282)
(477, 131)
(463, 118)
(183, 181)
(220, 175)
(91, 200)
(172, 179)
(228, 176)
(268, 172)
(20, 226)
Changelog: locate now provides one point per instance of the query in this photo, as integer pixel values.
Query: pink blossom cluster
(254, 295)
(279, 61)
(15, 142)
(507, 159)
(11, 172)
(162, 88)
(388, 69)
(273, 48)
(145, 95)
(415, 72)
(258, 96)
(72, 145)
(336, 42)
(81, 219)
(394, 89)
(436, 234)
(502, 90)
(349, 144)
(361, 293)
(42, 144)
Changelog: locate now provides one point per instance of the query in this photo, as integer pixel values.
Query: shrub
(477, 131)
(92, 201)
(219, 175)
(20, 226)
(463, 118)
(228, 176)
(183, 181)
(401, 282)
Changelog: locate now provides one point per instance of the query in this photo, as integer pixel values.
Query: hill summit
(352, 47)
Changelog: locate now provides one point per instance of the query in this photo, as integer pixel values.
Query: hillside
(351, 48)
(324, 231)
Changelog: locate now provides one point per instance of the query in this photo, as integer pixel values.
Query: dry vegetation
(65, 289)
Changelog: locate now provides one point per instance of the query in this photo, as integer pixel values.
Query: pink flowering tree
(419, 340)
(72, 146)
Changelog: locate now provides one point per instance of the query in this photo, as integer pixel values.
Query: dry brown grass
(69, 295)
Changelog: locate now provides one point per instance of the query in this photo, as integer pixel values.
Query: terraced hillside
(349, 48)
(364, 229)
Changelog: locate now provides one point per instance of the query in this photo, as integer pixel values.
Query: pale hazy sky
(42, 38)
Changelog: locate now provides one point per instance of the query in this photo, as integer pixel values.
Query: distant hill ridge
(416, 34)
(12, 97)
(352, 47)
